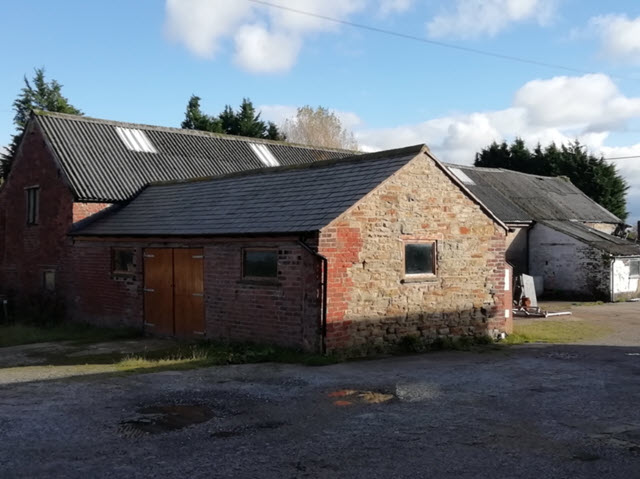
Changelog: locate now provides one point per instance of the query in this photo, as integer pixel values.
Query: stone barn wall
(371, 304)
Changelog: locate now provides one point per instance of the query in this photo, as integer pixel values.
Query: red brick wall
(372, 306)
(286, 312)
(30, 249)
(84, 210)
(97, 296)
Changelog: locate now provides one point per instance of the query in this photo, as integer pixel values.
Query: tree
(319, 127)
(38, 94)
(194, 119)
(244, 122)
(595, 177)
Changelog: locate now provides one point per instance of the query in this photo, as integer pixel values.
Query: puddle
(225, 434)
(585, 456)
(160, 419)
(347, 397)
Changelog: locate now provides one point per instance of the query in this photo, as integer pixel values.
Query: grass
(212, 353)
(554, 332)
(566, 305)
(24, 333)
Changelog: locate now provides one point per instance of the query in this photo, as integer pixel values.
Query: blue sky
(140, 61)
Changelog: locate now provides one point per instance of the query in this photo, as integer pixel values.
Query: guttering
(323, 313)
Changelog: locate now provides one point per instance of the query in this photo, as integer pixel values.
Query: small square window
(259, 263)
(49, 280)
(419, 258)
(123, 261)
(634, 268)
(33, 205)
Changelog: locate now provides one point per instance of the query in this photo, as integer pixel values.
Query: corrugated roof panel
(517, 197)
(597, 239)
(102, 166)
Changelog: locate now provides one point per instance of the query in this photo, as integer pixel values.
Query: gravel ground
(526, 412)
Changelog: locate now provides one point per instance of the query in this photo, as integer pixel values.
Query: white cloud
(473, 18)
(259, 51)
(395, 6)
(266, 40)
(560, 110)
(201, 24)
(590, 101)
(620, 36)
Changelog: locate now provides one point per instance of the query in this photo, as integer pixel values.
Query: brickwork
(95, 295)
(372, 304)
(284, 311)
(29, 250)
(84, 210)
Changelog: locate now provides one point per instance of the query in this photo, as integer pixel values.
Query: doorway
(174, 291)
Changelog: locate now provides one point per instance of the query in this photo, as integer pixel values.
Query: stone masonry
(370, 302)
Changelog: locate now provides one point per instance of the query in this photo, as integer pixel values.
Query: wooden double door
(174, 291)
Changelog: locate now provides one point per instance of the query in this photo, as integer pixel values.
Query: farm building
(318, 249)
(559, 234)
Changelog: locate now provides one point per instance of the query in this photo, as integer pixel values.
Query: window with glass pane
(49, 280)
(418, 258)
(260, 264)
(33, 206)
(634, 267)
(123, 261)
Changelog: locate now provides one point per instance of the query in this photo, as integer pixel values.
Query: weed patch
(211, 353)
(555, 332)
(26, 333)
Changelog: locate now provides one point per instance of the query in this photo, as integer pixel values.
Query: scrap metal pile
(525, 300)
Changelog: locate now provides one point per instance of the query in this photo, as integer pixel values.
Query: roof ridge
(184, 131)
(385, 154)
(505, 170)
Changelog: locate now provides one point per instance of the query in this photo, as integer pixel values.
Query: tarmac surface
(534, 411)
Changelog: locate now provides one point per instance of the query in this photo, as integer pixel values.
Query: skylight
(462, 176)
(264, 155)
(135, 140)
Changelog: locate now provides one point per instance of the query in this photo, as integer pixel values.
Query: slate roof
(303, 198)
(597, 239)
(520, 197)
(100, 167)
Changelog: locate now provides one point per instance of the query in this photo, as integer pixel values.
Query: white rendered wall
(623, 283)
(567, 265)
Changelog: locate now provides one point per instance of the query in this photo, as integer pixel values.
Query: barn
(190, 234)
(334, 255)
(574, 246)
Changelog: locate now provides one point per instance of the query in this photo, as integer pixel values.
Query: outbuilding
(575, 247)
(349, 254)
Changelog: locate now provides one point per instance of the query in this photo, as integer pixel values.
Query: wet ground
(530, 411)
